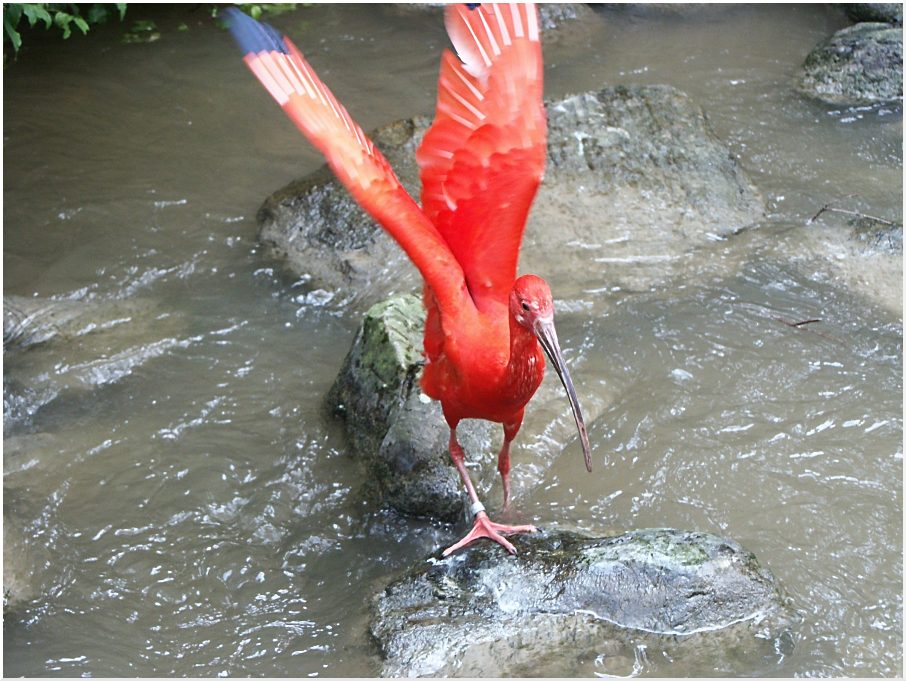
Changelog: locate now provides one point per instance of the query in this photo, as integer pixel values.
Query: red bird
(481, 163)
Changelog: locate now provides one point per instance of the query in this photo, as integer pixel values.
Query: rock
(398, 432)
(668, 10)
(401, 435)
(861, 64)
(379, 371)
(21, 568)
(57, 347)
(553, 16)
(862, 253)
(482, 612)
(326, 238)
(635, 179)
(889, 12)
(878, 237)
(32, 321)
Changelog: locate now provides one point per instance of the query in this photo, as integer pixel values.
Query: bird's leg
(483, 526)
(503, 458)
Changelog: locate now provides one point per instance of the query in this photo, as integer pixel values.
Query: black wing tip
(253, 36)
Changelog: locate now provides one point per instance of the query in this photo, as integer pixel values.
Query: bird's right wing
(483, 157)
(354, 159)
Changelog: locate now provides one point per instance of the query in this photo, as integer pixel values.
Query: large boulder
(860, 64)
(889, 12)
(398, 432)
(635, 180)
(401, 436)
(554, 17)
(564, 596)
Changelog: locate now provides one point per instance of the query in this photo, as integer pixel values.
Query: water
(191, 511)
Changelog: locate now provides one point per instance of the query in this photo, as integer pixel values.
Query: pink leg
(483, 526)
(503, 458)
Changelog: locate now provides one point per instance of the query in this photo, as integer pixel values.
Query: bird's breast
(485, 379)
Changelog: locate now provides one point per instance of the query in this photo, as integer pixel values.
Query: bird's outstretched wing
(483, 157)
(354, 159)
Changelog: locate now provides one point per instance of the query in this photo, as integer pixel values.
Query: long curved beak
(547, 336)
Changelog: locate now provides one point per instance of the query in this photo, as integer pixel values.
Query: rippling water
(189, 509)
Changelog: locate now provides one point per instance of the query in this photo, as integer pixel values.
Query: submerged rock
(635, 180)
(59, 347)
(860, 64)
(482, 612)
(20, 567)
(33, 321)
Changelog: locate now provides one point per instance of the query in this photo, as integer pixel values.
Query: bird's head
(532, 306)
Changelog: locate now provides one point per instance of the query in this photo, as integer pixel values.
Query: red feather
(483, 158)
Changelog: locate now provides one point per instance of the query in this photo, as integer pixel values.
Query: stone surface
(889, 12)
(635, 180)
(482, 612)
(58, 347)
(553, 16)
(19, 566)
(398, 432)
(860, 64)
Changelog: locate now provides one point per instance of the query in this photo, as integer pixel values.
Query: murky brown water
(191, 510)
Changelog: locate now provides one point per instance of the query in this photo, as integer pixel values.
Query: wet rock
(16, 587)
(399, 433)
(635, 180)
(668, 10)
(326, 238)
(32, 321)
(638, 180)
(21, 568)
(889, 12)
(552, 15)
(70, 347)
(402, 437)
(482, 612)
(878, 237)
(861, 64)
(559, 15)
(862, 252)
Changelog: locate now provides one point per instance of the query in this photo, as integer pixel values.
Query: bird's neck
(526, 362)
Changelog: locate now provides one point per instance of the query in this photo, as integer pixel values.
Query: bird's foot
(485, 527)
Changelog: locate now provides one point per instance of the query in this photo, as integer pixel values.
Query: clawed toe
(485, 527)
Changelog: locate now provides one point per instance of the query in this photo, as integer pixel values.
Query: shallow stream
(190, 509)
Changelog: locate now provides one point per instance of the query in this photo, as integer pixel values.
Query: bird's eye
(525, 306)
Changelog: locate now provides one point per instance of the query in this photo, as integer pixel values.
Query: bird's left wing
(354, 159)
(483, 158)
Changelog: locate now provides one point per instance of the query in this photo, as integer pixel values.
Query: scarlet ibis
(480, 163)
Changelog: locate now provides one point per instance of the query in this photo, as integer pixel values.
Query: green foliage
(256, 11)
(64, 16)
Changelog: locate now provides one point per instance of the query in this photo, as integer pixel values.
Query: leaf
(12, 12)
(12, 34)
(62, 20)
(81, 23)
(34, 13)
